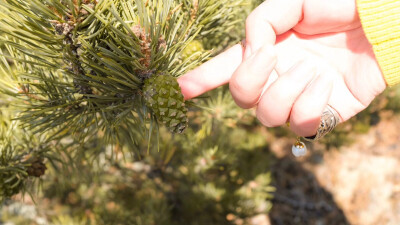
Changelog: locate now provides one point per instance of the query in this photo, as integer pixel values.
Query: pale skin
(320, 55)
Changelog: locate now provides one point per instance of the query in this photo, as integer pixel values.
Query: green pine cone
(191, 48)
(163, 95)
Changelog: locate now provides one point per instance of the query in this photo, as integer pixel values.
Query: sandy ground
(358, 184)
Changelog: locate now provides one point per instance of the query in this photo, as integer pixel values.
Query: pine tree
(76, 74)
(79, 83)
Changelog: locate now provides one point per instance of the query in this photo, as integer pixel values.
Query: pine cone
(191, 48)
(163, 95)
(37, 168)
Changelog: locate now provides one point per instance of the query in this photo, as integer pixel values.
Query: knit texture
(381, 23)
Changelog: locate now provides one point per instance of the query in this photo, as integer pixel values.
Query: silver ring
(329, 120)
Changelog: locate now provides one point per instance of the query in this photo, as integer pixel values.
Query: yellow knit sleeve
(381, 23)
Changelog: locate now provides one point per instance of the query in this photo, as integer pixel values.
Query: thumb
(271, 18)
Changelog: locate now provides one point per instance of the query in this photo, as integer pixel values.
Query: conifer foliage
(81, 77)
(82, 64)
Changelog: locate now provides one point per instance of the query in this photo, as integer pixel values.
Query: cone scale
(163, 96)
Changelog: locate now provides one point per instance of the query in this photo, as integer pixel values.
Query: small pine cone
(191, 48)
(163, 95)
(139, 32)
(37, 168)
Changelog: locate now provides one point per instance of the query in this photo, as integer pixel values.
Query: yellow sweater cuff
(381, 23)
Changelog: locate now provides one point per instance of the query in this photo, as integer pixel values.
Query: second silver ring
(329, 120)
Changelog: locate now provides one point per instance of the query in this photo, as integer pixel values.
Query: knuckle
(264, 121)
(267, 120)
(244, 103)
(235, 85)
(241, 94)
(237, 88)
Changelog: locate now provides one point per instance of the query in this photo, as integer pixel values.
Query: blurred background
(231, 170)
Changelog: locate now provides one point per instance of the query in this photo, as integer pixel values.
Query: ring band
(329, 120)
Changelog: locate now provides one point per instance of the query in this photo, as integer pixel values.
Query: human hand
(319, 52)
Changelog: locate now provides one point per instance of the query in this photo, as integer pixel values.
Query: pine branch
(21, 156)
(81, 65)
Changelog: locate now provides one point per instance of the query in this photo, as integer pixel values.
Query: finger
(249, 79)
(277, 101)
(271, 18)
(212, 74)
(328, 16)
(343, 100)
(307, 109)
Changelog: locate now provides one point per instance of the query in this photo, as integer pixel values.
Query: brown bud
(37, 168)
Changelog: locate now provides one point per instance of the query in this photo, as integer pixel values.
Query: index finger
(212, 74)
